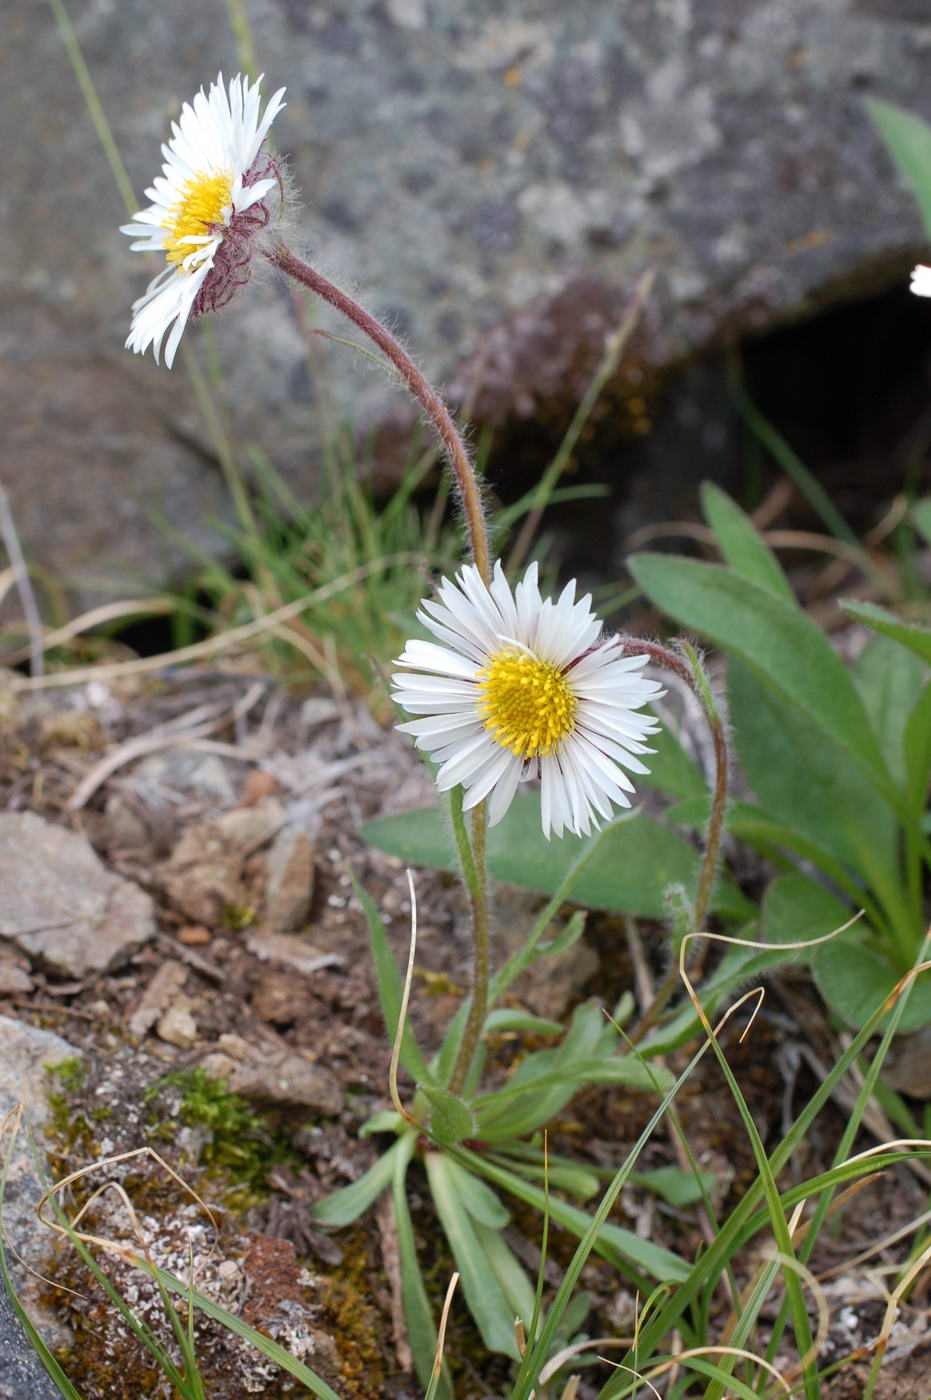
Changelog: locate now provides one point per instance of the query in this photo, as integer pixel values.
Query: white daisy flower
(522, 687)
(921, 281)
(208, 206)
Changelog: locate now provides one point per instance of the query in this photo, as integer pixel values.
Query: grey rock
(186, 772)
(22, 1375)
(273, 1073)
(59, 904)
(203, 875)
(469, 168)
(289, 879)
(24, 1054)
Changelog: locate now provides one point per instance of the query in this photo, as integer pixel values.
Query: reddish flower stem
(434, 407)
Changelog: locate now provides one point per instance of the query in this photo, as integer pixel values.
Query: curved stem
(422, 390)
(692, 673)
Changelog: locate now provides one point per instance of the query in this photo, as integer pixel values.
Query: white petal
(921, 281)
(427, 656)
(505, 788)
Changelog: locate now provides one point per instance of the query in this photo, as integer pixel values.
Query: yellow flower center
(528, 705)
(201, 206)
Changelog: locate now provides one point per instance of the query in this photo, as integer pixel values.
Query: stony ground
(177, 912)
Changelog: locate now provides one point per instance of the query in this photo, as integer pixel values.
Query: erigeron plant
(515, 687)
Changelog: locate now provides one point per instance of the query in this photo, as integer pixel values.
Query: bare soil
(240, 990)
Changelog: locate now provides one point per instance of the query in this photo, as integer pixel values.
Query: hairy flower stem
(434, 407)
(689, 669)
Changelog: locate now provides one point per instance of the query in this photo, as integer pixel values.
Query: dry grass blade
(151, 743)
(402, 1012)
(96, 617)
(232, 640)
(104, 1243)
(7, 581)
(766, 948)
(441, 1331)
(23, 585)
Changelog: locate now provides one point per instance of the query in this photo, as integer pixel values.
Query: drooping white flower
(523, 687)
(208, 206)
(921, 281)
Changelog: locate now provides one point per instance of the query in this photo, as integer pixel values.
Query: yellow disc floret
(528, 705)
(203, 202)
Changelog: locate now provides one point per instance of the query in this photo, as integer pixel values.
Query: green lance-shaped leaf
(487, 1303)
(478, 1199)
(916, 750)
(634, 865)
(625, 1250)
(855, 980)
(890, 678)
(909, 140)
(783, 647)
(910, 634)
(346, 1205)
(741, 543)
(418, 1315)
(802, 774)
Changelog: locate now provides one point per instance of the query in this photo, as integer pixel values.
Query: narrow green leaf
(621, 1069)
(347, 1204)
(783, 647)
(483, 1294)
(478, 1199)
(522, 1108)
(515, 1285)
(890, 678)
(802, 774)
(908, 138)
(503, 1018)
(444, 1060)
(450, 1119)
(576, 1180)
(34, 1337)
(265, 1345)
(910, 634)
(916, 749)
(619, 1246)
(385, 1121)
(418, 1315)
(390, 986)
(741, 543)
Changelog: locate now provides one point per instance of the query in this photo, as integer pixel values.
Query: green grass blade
(792, 464)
